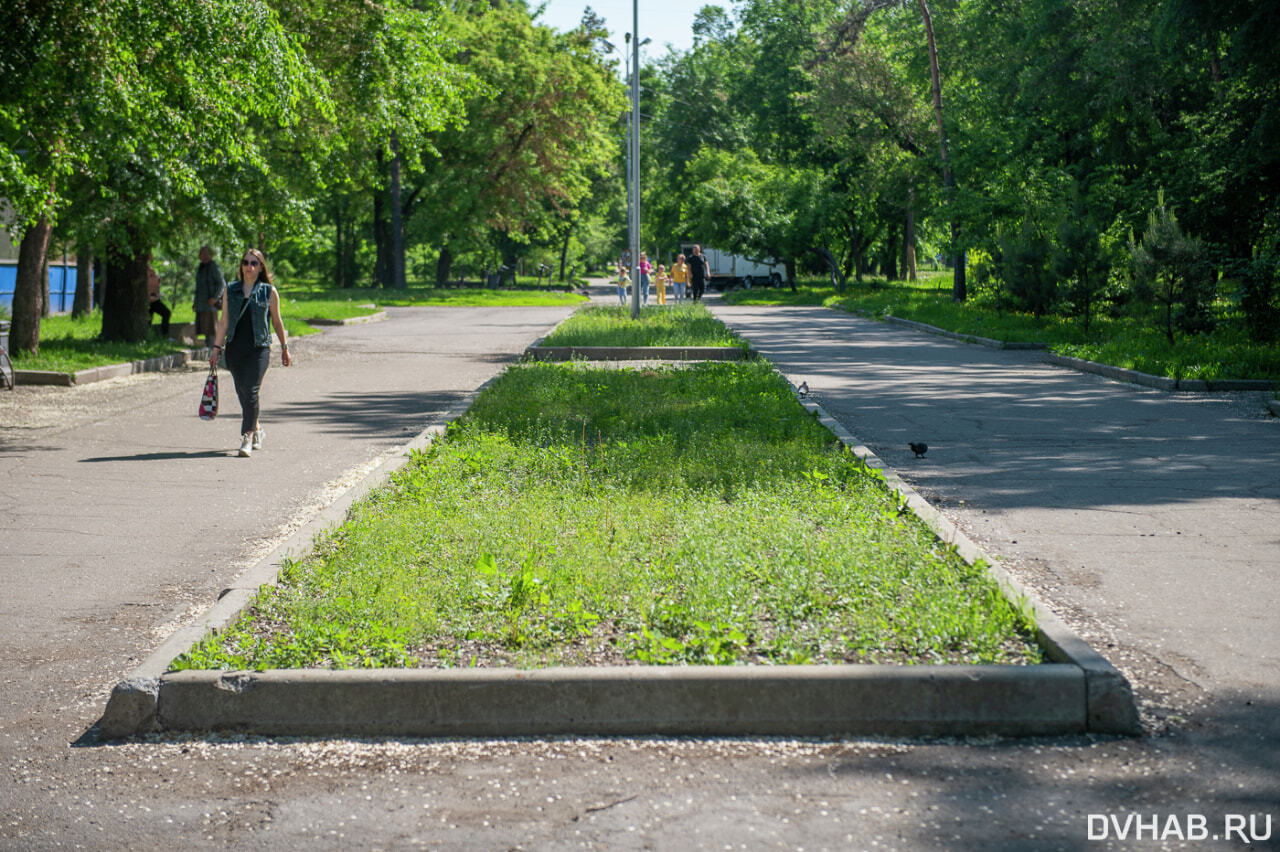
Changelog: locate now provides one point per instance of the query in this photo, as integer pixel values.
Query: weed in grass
(668, 516)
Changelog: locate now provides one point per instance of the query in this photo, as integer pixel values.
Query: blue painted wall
(62, 286)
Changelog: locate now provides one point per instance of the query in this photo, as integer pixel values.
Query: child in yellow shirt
(660, 281)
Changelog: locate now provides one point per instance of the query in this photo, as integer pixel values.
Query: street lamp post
(633, 158)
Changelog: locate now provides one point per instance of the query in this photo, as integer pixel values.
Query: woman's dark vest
(257, 304)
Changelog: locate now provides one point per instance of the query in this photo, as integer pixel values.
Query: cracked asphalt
(1150, 521)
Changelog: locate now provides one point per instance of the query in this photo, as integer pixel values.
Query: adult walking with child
(679, 277)
(250, 310)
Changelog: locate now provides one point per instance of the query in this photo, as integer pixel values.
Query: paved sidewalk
(124, 514)
(1150, 519)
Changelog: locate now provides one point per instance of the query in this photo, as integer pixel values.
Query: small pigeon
(918, 449)
(803, 389)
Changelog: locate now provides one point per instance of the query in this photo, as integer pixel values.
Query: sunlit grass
(597, 517)
(673, 325)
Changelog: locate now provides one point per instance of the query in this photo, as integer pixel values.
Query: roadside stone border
(110, 371)
(1109, 700)
(963, 338)
(378, 317)
(1164, 383)
(1079, 692)
(1119, 374)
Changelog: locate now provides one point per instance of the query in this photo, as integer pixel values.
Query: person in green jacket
(208, 298)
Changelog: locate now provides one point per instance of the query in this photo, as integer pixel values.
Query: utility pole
(634, 82)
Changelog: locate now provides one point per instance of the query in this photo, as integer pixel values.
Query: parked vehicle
(729, 271)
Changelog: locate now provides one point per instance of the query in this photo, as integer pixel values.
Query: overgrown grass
(581, 516)
(1131, 341)
(673, 325)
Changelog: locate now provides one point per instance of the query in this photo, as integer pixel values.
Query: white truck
(735, 270)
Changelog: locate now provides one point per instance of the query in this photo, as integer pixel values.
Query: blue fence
(62, 286)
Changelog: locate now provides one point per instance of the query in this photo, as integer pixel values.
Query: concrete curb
(132, 706)
(1077, 693)
(632, 700)
(637, 353)
(1109, 705)
(110, 371)
(963, 338)
(378, 317)
(1164, 383)
(1119, 374)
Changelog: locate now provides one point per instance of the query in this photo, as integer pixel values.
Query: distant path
(1152, 519)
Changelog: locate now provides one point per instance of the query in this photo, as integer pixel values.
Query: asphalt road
(124, 515)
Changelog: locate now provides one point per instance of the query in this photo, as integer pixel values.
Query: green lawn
(581, 516)
(67, 345)
(1133, 342)
(673, 325)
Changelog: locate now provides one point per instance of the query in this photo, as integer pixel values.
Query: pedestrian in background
(623, 280)
(156, 305)
(208, 297)
(660, 281)
(250, 309)
(699, 273)
(679, 277)
(644, 269)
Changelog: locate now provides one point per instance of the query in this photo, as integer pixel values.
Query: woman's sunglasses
(249, 263)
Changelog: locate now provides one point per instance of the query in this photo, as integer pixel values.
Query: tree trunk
(564, 249)
(889, 261)
(838, 279)
(381, 235)
(909, 238)
(124, 310)
(99, 282)
(83, 302)
(444, 264)
(790, 265)
(44, 283)
(398, 279)
(958, 289)
(337, 243)
(28, 292)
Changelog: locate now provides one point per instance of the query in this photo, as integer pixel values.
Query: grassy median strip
(672, 325)
(580, 516)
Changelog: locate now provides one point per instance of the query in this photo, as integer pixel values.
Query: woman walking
(244, 336)
(679, 277)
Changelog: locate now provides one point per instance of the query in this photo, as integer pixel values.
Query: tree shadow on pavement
(169, 456)
(374, 415)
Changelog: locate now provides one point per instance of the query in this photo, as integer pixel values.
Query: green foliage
(1024, 267)
(583, 516)
(1173, 269)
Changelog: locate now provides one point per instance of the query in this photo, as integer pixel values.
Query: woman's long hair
(263, 274)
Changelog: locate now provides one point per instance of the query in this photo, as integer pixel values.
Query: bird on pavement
(918, 448)
(803, 390)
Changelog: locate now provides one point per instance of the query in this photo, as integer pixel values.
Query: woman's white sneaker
(246, 444)
(258, 435)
